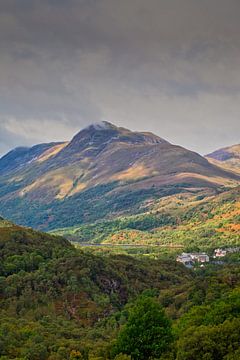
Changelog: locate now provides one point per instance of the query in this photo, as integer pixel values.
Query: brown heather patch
(51, 152)
(231, 228)
(127, 237)
(228, 212)
(210, 179)
(132, 173)
(60, 183)
(57, 184)
(78, 188)
(235, 227)
(64, 188)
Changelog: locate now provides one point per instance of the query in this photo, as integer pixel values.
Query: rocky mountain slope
(104, 171)
(228, 158)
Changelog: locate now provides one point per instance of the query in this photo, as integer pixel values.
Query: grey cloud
(170, 66)
(7, 139)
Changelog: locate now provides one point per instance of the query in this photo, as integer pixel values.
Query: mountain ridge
(20, 156)
(103, 164)
(227, 157)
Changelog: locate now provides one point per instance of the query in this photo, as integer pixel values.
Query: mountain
(228, 158)
(103, 172)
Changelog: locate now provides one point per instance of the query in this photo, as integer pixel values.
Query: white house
(219, 253)
(199, 257)
(185, 259)
(188, 259)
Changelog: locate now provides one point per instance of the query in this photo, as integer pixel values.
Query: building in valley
(189, 259)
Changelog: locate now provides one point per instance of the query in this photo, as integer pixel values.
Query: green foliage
(55, 300)
(201, 222)
(210, 342)
(60, 303)
(147, 333)
(97, 232)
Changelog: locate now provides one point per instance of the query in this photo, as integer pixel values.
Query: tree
(214, 342)
(147, 332)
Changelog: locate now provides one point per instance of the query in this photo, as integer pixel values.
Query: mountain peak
(101, 125)
(104, 171)
(100, 134)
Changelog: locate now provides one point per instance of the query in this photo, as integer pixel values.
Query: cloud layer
(167, 66)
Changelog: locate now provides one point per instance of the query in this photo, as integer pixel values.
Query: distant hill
(103, 172)
(228, 158)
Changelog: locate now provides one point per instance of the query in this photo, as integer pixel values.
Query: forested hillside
(59, 302)
(201, 221)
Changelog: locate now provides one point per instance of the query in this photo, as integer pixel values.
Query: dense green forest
(60, 302)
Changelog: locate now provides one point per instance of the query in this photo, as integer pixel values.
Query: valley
(118, 209)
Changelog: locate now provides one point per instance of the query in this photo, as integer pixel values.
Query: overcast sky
(167, 66)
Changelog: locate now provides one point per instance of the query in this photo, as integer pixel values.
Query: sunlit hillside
(175, 220)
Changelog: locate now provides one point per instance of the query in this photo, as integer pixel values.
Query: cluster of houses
(191, 259)
(223, 252)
